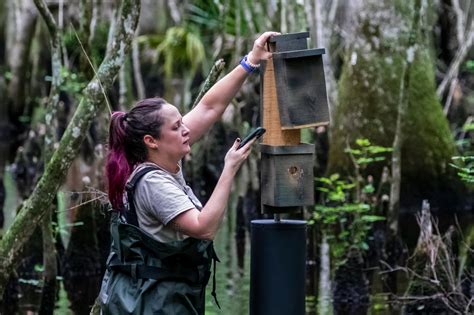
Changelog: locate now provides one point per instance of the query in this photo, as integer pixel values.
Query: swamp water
(233, 288)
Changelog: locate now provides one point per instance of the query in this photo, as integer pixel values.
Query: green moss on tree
(369, 94)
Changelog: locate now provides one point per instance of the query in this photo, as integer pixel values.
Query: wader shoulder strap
(215, 259)
(131, 213)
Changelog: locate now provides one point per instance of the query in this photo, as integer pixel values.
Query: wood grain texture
(271, 114)
(287, 176)
(301, 88)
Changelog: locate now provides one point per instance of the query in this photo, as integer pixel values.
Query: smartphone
(256, 133)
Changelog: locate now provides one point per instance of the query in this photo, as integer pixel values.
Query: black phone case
(256, 133)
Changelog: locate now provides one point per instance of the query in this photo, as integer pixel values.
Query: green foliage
(469, 65)
(346, 223)
(7, 75)
(230, 17)
(39, 268)
(205, 14)
(73, 83)
(180, 49)
(468, 127)
(464, 163)
(347, 213)
(367, 153)
(98, 46)
(465, 168)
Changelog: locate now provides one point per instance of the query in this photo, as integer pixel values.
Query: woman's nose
(185, 129)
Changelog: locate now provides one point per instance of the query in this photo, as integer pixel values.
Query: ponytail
(117, 168)
(126, 146)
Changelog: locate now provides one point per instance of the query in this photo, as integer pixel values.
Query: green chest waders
(145, 276)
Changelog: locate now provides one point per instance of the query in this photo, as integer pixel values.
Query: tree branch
(47, 17)
(33, 209)
(137, 73)
(49, 251)
(460, 22)
(174, 11)
(449, 99)
(458, 59)
(211, 79)
(332, 12)
(51, 107)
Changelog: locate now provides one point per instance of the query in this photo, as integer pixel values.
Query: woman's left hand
(259, 51)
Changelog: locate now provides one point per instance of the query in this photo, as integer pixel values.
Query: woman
(161, 256)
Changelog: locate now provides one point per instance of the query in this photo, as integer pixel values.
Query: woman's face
(174, 135)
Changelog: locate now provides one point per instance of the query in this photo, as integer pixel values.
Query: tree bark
(18, 57)
(33, 209)
(123, 88)
(321, 25)
(324, 296)
(86, 9)
(137, 73)
(50, 271)
(49, 251)
(394, 205)
(174, 11)
(392, 243)
(20, 29)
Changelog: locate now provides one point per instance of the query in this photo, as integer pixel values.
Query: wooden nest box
(293, 90)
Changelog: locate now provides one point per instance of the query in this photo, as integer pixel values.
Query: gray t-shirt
(159, 197)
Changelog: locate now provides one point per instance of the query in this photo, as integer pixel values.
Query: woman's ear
(150, 142)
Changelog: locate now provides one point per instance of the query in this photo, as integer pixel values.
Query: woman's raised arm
(215, 101)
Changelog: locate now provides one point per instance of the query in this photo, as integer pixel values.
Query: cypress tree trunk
(393, 243)
(19, 35)
(369, 94)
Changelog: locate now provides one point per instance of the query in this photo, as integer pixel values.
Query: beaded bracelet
(247, 65)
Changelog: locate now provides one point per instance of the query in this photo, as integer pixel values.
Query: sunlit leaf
(363, 142)
(369, 189)
(372, 218)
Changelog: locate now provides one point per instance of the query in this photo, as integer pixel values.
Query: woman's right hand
(259, 50)
(235, 157)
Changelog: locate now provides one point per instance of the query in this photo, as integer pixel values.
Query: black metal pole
(277, 268)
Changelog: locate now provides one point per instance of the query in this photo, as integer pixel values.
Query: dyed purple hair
(126, 146)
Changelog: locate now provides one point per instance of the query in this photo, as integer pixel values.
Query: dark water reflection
(233, 287)
(233, 284)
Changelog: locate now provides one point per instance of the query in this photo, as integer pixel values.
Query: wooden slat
(301, 88)
(271, 115)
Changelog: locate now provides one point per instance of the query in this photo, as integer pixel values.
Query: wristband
(247, 65)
